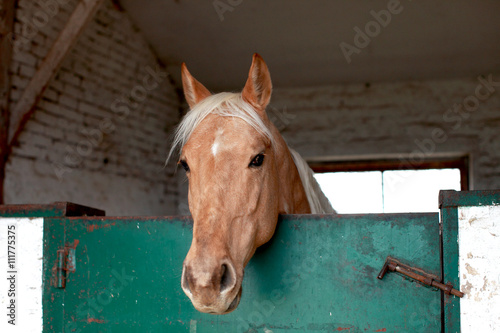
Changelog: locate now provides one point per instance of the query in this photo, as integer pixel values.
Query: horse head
(241, 177)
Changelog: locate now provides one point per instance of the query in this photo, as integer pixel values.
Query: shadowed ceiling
(301, 40)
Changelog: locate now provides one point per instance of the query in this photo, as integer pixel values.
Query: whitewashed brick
(26, 58)
(69, 77)
(104, 65)
(15, 94)
(19, 82)
(51, 95)
(68, 101)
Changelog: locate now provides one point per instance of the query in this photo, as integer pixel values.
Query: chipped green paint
(319, 273)
(468, 198)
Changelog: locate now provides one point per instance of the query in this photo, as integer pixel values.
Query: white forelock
(222, 104)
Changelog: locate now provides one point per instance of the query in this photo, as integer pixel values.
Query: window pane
(417, 190)
(353, 192)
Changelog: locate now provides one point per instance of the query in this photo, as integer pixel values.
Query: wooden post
(68, 37)
(7, 9)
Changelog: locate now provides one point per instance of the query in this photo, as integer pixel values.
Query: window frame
(360, 165)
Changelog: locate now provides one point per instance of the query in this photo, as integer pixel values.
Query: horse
(241, 176)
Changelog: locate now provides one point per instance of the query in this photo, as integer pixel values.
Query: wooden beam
(68, 37)
(7, 10)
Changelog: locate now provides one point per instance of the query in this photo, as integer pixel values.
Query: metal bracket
(394, 265)
(66, 263)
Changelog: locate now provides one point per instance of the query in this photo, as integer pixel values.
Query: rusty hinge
(393, 265)
(66, 263)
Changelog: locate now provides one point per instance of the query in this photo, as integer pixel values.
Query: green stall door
(318, 274)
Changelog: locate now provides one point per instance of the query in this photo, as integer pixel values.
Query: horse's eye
(184, 165)
(257, 161)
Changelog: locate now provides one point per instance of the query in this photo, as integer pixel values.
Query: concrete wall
(99, 136)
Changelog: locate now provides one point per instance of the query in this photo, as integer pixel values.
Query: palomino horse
(241, 176)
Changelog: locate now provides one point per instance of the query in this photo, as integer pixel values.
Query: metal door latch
(394, 265)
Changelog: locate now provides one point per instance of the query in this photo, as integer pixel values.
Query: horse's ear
(258, 88)
(194, 91)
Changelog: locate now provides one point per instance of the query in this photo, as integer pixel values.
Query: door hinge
(66, 263)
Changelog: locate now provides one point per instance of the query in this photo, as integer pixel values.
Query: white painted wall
(28, 277)
(479, 268)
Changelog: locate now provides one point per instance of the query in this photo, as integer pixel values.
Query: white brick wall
(100, 134)
(122, 170)
(388, 119)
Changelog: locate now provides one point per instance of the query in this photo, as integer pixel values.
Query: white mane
(233, 105)
(318, 202)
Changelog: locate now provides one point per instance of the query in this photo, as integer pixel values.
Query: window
(389, 186)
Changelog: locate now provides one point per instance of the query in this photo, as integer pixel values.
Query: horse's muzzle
(213, 288)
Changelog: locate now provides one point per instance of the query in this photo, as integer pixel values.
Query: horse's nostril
(185, 282)
(226, 280)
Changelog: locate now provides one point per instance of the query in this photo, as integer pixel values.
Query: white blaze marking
(217, 142)
(215, 147)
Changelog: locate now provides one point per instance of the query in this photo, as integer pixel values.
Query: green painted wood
(54, 238)
(451, 311)
(317, 274)
(451, 198)
(56, 209)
